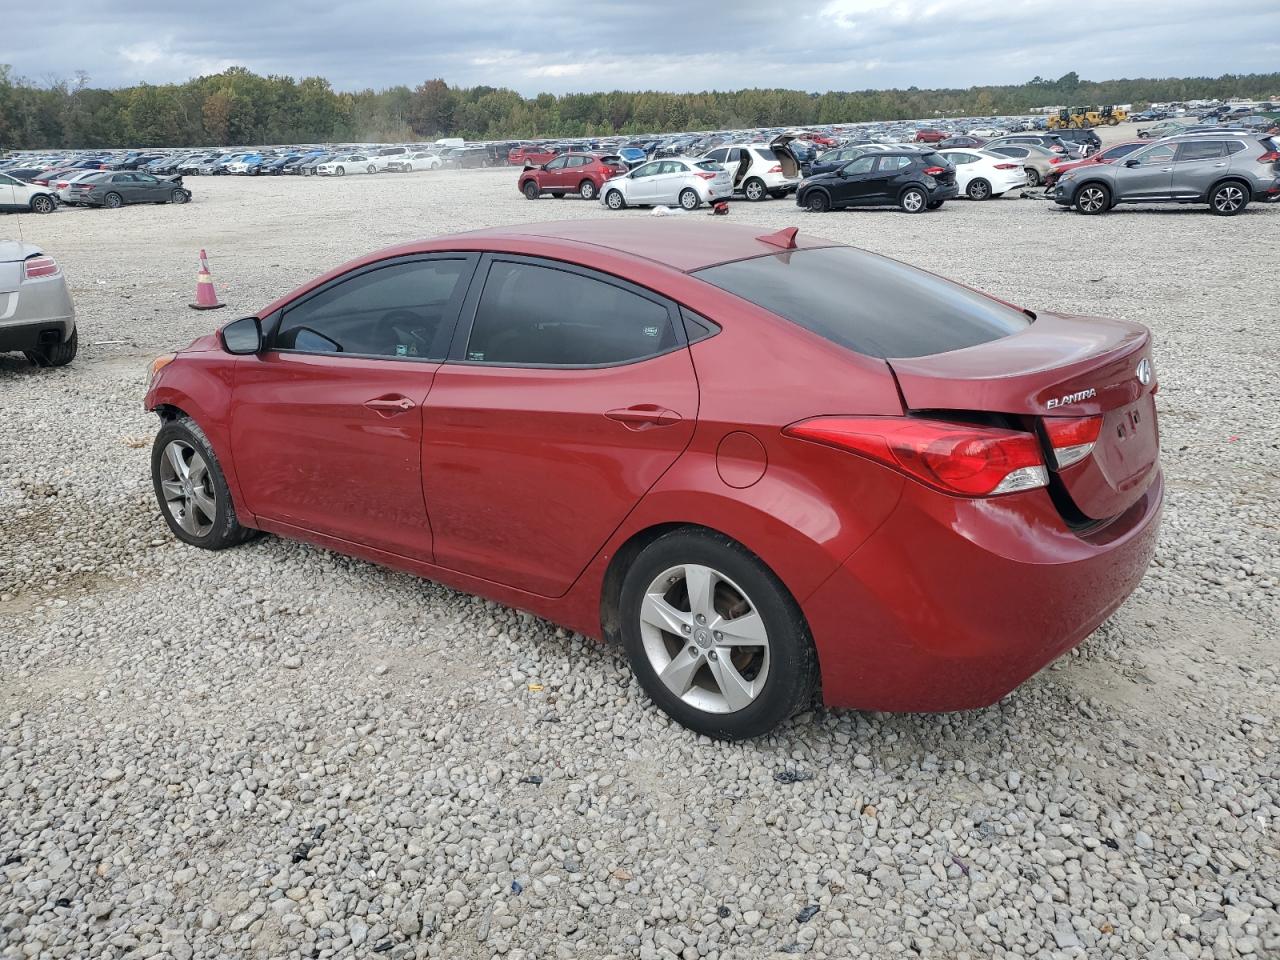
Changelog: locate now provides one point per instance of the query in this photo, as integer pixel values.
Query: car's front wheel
(179, 196)
(614, 200)
(371, 168)
(714, 637)
(817, 201)
(191, 489)
(531, 191)
(1228, 199)
(1092, 199)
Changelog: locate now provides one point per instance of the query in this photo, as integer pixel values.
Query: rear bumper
(32, 334)
(943, 191)
(953, 603)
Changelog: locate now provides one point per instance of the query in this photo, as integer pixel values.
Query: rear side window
(1200, 150)
(766, 153)
(868, 304)
(893, 163)
(535, 315)
(402, 310)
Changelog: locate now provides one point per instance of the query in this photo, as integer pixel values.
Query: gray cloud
(558, 46)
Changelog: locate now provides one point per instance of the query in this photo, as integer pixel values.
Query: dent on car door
(326, 427)
(566, 396)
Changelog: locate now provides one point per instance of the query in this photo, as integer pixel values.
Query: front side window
(536, 315)
(647, 170)
(402, 310)
(861, 165)
(1154, 155)
(556, 164)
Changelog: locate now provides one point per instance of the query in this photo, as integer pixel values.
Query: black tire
(179, 196)
(817, 201)
(224, 529)
(755, 190)
(913, 200)
(614, 200)
(55, 354)
(978, 189)
(1228, 199)
(587, 189)
(531, 190)
(43, 203)
(792, 675)
(689, 199)
(1033, 177)
(340, 172)
(113, 201)
(1092, 199)
(371, 168)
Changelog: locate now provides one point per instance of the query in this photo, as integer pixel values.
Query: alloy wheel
(1229, 199)
(188, 490)
(1092, 199)
(705, 638)
(912, 201)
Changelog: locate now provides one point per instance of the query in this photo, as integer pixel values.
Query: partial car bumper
(943, 191)
(953, 603)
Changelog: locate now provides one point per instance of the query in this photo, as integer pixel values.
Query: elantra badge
(1144, 371)
(1071, 398)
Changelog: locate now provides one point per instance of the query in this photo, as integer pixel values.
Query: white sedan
(981, 175)
(676, 181)
(416, 161)
(348, 163)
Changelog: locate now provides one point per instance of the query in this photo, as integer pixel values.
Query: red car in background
(582, 173)
(1113, 153)
(529, 154)
(928, 135)
(767, 465)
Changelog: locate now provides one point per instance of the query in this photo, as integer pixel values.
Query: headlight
(158, 364)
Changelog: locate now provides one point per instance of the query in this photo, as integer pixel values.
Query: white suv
(760, 169)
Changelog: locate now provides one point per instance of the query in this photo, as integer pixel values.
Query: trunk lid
(1058, 367)
(790, 165)
(12, 254)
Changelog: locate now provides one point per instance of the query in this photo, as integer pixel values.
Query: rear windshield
(874, 306)
(708, 165)
(935, 160)
(766, 153)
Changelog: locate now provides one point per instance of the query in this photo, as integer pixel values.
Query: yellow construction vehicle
(1080, 118)
(1059, 121)
(1112, 116)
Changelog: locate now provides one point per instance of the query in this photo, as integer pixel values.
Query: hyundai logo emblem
(1144, 371)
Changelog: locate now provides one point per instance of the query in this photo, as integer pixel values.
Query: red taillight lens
(934, 171)
(776, 168)
(39, 267)
(1006, 166)
(1057, 160)
(706, 176)
(955, 458)
(1072, 439)
(1272, 157)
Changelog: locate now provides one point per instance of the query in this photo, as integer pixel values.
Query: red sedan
(1113, 153)
(761, 463)
(583, 173)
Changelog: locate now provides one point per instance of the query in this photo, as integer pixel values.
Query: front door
(852, 187)
(566, 396)
(8, 196)
(1150, 176)
(326, 425)
(644, 183)
(554, 174)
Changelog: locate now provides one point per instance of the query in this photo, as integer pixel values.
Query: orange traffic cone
(206, 296)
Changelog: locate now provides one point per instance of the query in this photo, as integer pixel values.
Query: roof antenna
(784, 238)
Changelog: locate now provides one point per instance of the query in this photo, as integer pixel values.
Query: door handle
(390, 405)
(644, 415)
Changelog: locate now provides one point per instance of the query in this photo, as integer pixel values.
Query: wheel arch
(1229, 178)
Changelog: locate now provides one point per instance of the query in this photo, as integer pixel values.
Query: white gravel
(279, 752)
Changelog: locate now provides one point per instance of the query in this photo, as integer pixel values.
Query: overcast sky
(560, 46)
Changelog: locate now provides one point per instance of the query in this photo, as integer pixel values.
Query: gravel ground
(278, 752)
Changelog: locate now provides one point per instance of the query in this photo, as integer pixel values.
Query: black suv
(914, 180)
(1090, 140)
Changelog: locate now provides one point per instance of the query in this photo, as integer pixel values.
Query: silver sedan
(36, 314)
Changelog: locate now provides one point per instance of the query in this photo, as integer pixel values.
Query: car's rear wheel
(714, 637)
(689, 199)
(587, 189)
(179, 196)
(978, 189)
(42, 204)
(817, 201)
(1033, 177)
(614, 200)
(371, 168)
(191, 490)
(341, 171)
(1228, 199)
(754, 189)
(55, 354)
(913, 200)
(531, 191)
(112, 201)
(1092, 199)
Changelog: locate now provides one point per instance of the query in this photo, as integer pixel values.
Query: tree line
(240, 107)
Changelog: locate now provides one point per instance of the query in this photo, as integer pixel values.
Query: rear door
(326, 422)
(566, 396)
(1195, 166)
(881, 184)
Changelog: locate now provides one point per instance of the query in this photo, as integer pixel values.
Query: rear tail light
(934, 171)
(39, 267)
(776, 168)
(62, 185)
(958, 459)
(1006, 166)
(1271, 157)
(706, 176)
(1072, 439)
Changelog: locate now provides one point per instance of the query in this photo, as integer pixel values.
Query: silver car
(668, 182)
(1226, 171)
(36, 315)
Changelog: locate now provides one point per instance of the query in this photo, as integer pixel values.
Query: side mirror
(840, 173)
(242, 337)
(1133, 163)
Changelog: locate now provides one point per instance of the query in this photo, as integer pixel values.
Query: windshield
(867, 303)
